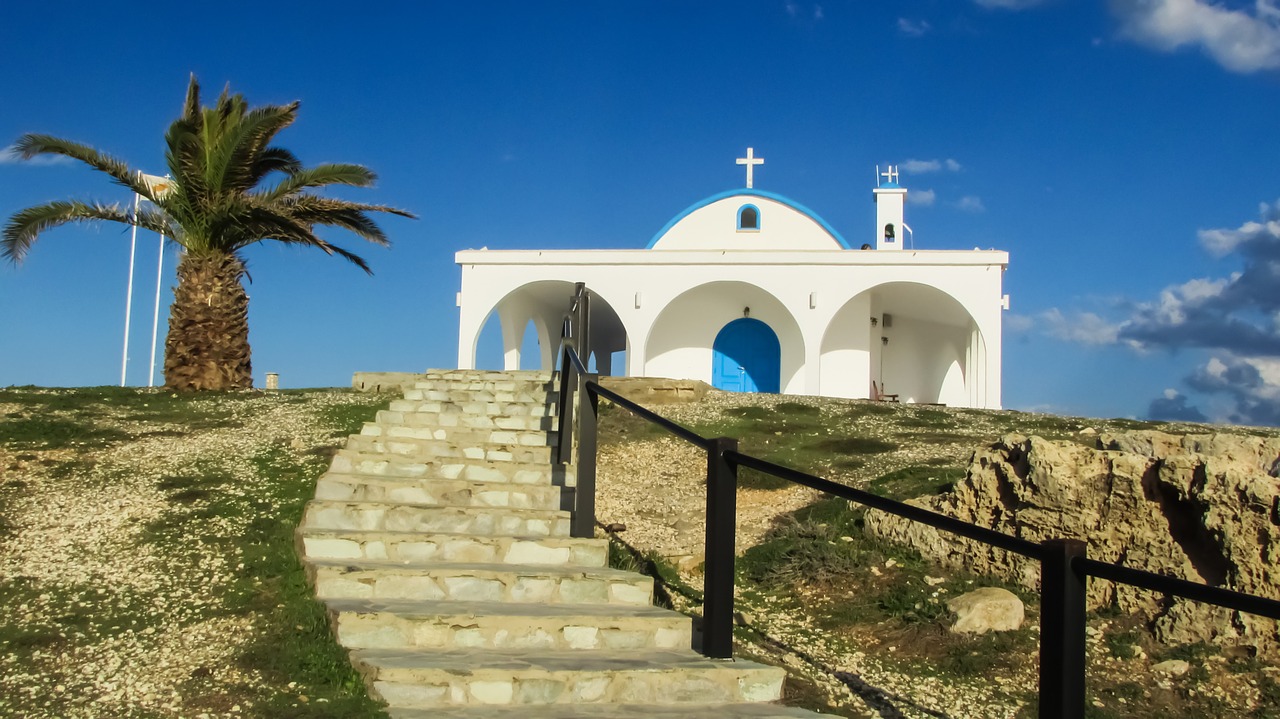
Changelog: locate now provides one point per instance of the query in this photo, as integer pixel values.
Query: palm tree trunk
(207, 347)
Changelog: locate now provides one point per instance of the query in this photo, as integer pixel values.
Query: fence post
(1062, 624)
(584, 492)
(718, 579)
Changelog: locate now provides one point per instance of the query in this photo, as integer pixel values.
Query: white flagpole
(128, 302)
(155, 319)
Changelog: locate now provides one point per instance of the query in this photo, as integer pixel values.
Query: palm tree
(218, 202)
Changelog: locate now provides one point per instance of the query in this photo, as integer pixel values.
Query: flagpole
(128, 301)
(155, 319)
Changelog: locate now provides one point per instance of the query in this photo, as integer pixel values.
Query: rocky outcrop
(1201, 507)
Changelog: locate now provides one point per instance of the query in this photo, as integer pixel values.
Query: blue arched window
(748, 217)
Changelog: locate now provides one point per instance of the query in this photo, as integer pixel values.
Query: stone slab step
(538, 397)
(610, 711)
(434, 491)
(315, 544)
(352, 461)
(432, 679)
(481, 416)
(364, 624)
(505, 384)
(445, 449)
(380, 516)
(448, 372)
(438, 581)
(475, 407)
(484, 436)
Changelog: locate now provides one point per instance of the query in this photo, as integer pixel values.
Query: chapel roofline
(751, 192)
(732, 257)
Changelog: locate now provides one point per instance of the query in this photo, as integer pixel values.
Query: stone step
(365, 624)
(526, 374)
(482, 436)
(350, 461)
(445, 547)
(434, 491)
(446, 449)
(381, 516)
(535, 397)
(754, 710)
(507, 384)
(453, 678)
(437, 581)
(482, 419)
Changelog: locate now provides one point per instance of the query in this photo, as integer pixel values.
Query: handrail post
(584, 491)
(722, 505)
(584, 331)
(1062, 625)
(568, 383)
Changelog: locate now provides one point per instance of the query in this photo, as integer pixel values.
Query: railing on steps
(1064, 564)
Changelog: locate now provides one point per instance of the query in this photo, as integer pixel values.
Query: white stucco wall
(665, 305)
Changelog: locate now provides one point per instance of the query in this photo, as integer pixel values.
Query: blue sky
(1123, 153)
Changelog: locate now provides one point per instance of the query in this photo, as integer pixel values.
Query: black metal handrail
(1064, 564)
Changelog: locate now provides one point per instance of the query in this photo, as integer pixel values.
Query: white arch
(927, 350)
(544, 302)
(679, 342)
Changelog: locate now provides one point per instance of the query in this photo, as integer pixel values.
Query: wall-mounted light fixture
(813, 300)
(637, 300)
(746, 311)
(884, 341)
(874, 321)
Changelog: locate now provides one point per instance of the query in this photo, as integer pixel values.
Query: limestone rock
(989, 609)
(1172, 667)
(1205, 508)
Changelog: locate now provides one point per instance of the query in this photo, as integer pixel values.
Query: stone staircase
(439, 541)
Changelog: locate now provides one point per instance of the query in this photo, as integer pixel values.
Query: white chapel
(751, 291)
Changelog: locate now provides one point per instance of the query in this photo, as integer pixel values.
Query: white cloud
(794, 10)
(1222, 241)
(1019, 323)
(1239, 40)
(924, 198)
(913, 28)
(1008, 4)
(970, 203)
(921, 167)
(10, 156)
(1084, 328)
(1251, 384)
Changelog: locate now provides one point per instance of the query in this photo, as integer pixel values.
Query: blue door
(746, 357)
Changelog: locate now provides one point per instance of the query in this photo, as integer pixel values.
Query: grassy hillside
(146, 554)
(147, 566)
(863, 624)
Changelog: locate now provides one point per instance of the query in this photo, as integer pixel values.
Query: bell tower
(890, 198)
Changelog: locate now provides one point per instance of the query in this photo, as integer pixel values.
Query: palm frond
(30, 145)
(242, 137)
(26, 225)
(274, 159)
(321, 176)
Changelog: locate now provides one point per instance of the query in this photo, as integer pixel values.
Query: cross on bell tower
(750, 161)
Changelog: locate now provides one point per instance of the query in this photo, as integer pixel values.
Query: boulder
(1205, 508)
(989, 609)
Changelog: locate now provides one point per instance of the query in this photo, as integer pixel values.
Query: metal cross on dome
(750, 161)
